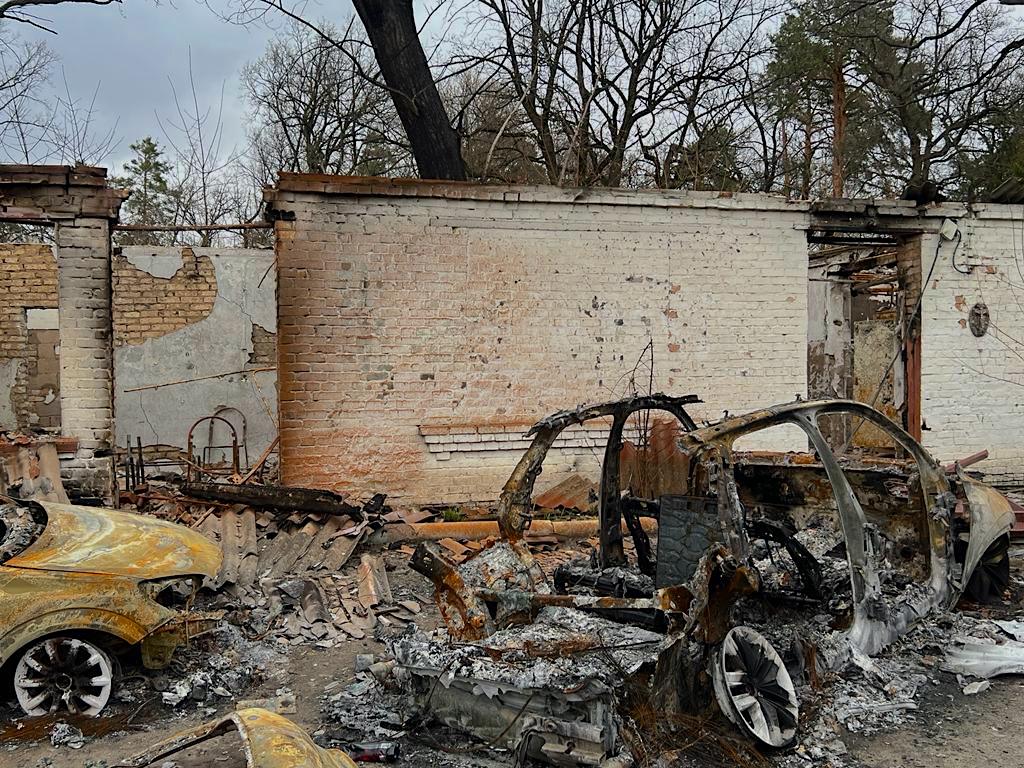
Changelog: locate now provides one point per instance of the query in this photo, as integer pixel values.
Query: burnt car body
(78, 582)
(876, 542)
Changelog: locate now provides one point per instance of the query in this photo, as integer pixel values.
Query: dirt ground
(952, 730)
(309, 672)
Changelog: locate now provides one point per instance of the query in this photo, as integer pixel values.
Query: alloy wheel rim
(63, 674)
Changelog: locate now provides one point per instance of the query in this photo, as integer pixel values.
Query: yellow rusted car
(78, 583)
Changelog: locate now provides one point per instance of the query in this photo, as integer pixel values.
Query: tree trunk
(839, 120)
(391, 27)
(787, 181)
(805, 184)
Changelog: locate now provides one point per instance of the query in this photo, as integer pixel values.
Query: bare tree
(41, 121)
(402, 70)
(612, 88)
(314, 111)
(498, 142)
(25, 115)
(391, 27)
(943, 69)
(208, 184)
(27, 11)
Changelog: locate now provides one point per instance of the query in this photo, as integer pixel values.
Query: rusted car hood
(94, 540)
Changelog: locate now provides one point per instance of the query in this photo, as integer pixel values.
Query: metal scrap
(559, 709)
(268, 740)
(984, 658)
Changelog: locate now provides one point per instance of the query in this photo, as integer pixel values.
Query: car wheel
(754, 689)
(63, 674)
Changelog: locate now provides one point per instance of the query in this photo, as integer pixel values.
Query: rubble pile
(224, 668)
(284, 572)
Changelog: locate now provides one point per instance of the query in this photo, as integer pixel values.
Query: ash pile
(598, 667)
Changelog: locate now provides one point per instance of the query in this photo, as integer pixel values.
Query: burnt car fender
(268, 740)
(991, 518)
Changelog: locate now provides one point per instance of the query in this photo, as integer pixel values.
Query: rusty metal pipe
(967, 461)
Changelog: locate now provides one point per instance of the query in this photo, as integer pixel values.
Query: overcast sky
(131, 50)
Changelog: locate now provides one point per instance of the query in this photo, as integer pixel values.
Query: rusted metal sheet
(158, 647)
(279, 497)
(103, 541)
(268, 740)
(575, 492)
(465, 614)
(655, 467)
(477, 530)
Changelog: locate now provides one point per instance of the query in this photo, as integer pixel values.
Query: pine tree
(152, 199)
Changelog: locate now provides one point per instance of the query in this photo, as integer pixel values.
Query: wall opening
(42, 369)
(864, 335)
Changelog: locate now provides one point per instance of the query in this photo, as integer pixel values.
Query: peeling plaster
(219, 343)
(162, 262)
(8, 376)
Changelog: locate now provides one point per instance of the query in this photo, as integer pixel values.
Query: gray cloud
(132, 53)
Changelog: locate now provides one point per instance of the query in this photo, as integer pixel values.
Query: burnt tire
(991, 578)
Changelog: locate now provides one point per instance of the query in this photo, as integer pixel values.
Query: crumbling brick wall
(28, 280)
(422, 325)
(194, 333)
(177, 292)
(148, 307)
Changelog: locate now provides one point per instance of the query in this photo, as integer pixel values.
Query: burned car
(79, 583)
(820, 554)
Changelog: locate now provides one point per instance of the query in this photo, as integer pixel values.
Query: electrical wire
(959, 238)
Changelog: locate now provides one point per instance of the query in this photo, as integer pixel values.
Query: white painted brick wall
(397, 312)
(973, 388)
(86, 394)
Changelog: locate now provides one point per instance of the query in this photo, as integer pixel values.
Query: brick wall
(148, 307)
(28, 279)
(86, 365)
(164, 330)
(973, 388)
(408, 311)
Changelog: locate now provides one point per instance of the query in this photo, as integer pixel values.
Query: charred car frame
(737, 528)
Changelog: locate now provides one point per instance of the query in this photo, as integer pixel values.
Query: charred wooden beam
(278, 497)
